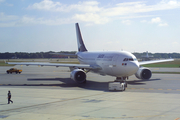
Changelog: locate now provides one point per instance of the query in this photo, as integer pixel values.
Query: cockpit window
(135, 59)
(125, 59)
(130, 59)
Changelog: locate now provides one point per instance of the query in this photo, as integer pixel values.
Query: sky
(106, 25)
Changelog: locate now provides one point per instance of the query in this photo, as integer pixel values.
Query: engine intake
(78, 75)
(143, 73)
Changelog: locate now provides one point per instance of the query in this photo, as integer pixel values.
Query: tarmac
(48, 93)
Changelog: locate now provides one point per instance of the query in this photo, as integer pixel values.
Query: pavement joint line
(142, 88)
(151, 88)
(123, 117)
(50, 102)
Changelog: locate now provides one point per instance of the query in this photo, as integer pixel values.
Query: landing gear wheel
(123, 87)
(125, 84)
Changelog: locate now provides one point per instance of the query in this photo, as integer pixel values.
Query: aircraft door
(114, 60)
(114, 63)
(110, 66)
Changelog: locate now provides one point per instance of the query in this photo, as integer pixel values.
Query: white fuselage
(118, 64)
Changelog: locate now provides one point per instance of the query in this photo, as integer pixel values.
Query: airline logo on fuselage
(105, 56)
(100, 56)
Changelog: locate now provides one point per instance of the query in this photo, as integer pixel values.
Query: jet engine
(143, 73)
(78, 75)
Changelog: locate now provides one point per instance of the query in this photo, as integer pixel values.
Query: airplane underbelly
(119, 71)
(108, 69)
(113, 70)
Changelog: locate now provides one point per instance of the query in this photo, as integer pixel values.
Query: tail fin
(81, 46)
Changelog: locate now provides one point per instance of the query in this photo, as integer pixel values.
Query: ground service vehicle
(14, 70)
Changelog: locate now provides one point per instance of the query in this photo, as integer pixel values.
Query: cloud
(156, 20)
(45, 5)
(127, 22)
(175, 43)
(48, 5)
(6, 18)
(27, 20)
(87, 6)
(92, 6)
(143, 21)
(91, 17)
(7, 4)
(92, 12)
(163, 24)
(13, 21)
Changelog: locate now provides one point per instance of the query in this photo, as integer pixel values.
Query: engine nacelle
(143, 73)
(78, 75)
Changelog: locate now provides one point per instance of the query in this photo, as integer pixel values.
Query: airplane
(120, 64)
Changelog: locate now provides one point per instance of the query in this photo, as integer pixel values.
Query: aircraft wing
(86, 66)
(154, 61)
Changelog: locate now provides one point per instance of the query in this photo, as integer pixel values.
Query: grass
(2, 63)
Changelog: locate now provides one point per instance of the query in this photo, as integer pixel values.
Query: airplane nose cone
(133, 67)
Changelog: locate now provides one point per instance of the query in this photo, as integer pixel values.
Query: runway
(48, 93)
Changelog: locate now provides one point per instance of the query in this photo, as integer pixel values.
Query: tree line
(26, 55)
(158, 55)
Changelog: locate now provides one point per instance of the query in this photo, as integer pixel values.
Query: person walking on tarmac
(9, 97)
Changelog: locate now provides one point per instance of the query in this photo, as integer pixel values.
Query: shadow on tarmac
(140, 82)
(67, 82)
(4, 104)
(89, 85)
